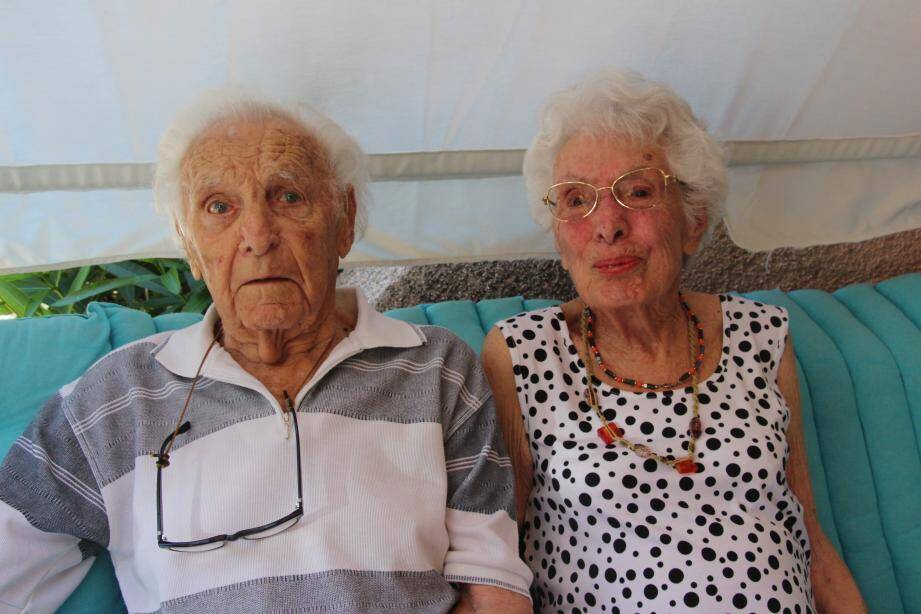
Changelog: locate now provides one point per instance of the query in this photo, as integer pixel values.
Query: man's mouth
(265, 280)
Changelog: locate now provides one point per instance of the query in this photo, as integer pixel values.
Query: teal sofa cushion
(39, 355)
(858, 357)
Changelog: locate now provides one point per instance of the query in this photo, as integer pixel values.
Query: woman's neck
(647, 342)
(642, 329)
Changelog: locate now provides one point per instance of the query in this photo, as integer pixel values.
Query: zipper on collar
(308, 387)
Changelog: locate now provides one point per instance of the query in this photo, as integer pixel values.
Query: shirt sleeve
(52, 515)
(481, 497)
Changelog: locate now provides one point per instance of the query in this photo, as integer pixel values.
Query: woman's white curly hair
(348, 161)
(625, 104)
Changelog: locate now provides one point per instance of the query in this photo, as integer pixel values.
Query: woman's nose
(609, 218)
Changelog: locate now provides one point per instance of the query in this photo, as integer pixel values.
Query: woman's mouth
(617, 266)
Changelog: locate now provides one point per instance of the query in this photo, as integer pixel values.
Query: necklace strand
(610, 433)
(697, 358)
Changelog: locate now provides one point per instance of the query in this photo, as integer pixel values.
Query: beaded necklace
(588, 334)
(609, 432)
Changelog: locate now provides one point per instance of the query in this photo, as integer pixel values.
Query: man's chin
(271, 316)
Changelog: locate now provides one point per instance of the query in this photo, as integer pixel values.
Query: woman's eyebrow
(571, 177)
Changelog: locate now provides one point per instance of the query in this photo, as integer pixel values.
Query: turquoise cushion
(48, 353)
(858, 360)
(859, 364)
(39, 356)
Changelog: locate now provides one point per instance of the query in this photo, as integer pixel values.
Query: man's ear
(191, 254)
(347, 223)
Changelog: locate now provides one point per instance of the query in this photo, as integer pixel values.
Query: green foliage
(157, 285)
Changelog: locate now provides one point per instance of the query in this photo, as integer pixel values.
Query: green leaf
(31, 286)
(133, 269)
(17, 276)
(128, 293)
(102, 287)
(157, 304)
(170, 279)
(198, 300)
(36, 302)
(79, 279)
(167, 263)
(15, 298)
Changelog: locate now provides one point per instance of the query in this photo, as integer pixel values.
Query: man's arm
(52, 515)
(483, 537)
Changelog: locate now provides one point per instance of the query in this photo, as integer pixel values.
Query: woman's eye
(217, 207)
(289, 196)
(640, 193)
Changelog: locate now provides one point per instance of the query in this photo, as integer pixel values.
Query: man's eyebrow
(283, 175)
(205, 182)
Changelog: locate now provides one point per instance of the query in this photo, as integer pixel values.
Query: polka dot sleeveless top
(609, 531)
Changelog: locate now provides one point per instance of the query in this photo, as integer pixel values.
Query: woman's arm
(832, 584)
(498, 366)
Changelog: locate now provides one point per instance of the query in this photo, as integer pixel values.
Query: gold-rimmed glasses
(639, 189)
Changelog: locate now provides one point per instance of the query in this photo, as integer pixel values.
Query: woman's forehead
(264, 146)
(602, 157)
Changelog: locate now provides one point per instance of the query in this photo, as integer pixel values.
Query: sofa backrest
(859, 358)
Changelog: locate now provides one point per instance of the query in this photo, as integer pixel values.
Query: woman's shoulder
(740, 306)
(526, 319)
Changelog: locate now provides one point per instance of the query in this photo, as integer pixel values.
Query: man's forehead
(268, 145)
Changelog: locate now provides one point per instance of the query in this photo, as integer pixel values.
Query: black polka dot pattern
(608, 531)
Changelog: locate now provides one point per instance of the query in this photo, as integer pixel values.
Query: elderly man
(296, 450)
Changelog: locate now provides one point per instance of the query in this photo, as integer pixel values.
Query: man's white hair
(625, 104)
(348, 162)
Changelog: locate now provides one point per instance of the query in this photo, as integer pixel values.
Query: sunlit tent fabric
(817, 102)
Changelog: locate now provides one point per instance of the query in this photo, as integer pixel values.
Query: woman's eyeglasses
(639, 189)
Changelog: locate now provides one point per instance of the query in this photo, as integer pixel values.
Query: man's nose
(259, 232)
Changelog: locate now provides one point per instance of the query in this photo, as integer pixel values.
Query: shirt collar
(183, 351)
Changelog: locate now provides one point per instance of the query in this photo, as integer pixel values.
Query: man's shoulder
(123, 365)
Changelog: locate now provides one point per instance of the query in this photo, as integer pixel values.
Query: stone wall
(721, 266)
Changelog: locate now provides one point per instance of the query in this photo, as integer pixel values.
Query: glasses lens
(571, 200)
(198, 548)
(269, 532)
(641, 189)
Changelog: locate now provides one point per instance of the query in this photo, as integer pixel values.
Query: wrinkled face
(265, 223)
(616, 256)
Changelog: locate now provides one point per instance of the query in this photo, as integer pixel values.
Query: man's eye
(217, 207)
(289, 196)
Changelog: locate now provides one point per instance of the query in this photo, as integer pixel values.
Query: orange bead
(605, 433)
(686, 466)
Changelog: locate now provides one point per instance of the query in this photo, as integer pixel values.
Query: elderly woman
(296, 450)
(655, 433)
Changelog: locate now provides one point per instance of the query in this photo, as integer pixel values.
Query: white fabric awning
(817, 102)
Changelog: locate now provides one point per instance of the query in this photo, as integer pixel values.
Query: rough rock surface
(721, 266)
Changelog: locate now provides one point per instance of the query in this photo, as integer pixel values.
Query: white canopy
(819, 103)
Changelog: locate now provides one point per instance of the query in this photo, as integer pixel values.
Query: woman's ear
(696, 229)
(564, 262)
